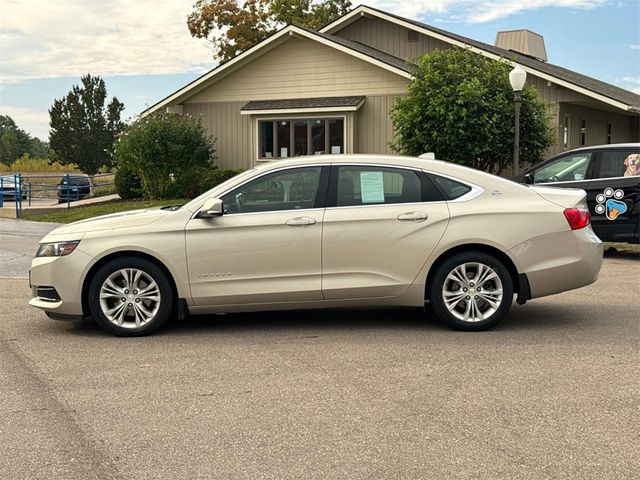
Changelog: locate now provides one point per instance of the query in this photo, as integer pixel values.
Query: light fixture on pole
(517, 77)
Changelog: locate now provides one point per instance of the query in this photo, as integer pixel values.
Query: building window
(609, 132)
(565, 132)
(283, 139)
(412, 36)
(583, 132)
(297, 137)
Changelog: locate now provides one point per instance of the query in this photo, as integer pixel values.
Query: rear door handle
(300, 221)
(413, 217)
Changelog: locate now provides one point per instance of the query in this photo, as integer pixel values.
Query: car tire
(461, 302)
(131, 296)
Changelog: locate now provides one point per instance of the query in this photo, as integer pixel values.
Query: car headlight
(57, 249)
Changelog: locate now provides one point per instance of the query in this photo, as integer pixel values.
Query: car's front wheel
(131, 296)
(471, 291)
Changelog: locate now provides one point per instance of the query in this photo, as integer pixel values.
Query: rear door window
(371, 185)
(618, 163)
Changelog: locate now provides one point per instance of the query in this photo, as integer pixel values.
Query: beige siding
(390, 38)
(623, 126)
(302, 68)
(233, 132)
(374, 126)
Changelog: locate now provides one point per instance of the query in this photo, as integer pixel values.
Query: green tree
(14, 142)
(233, 27)
(460, 106)
(83, 130)
(168, 152)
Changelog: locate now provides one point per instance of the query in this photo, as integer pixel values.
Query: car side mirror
(211, 208)
(528, 178)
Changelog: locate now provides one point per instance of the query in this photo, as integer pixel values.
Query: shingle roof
(589, 83)
(329, 102)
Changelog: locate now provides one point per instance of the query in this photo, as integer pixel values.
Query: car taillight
(577, 217)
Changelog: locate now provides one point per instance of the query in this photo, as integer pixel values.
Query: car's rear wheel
(131, 296)
(471, 291)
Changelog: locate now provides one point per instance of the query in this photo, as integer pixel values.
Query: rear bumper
(559, 262)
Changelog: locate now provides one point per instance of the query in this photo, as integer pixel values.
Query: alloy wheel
(130, 298)
(472, 292)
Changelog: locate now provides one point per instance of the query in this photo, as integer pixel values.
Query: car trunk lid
(564, 197)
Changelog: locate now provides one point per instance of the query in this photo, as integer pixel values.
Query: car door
(614, 194)
(266, 247)
(380, 226)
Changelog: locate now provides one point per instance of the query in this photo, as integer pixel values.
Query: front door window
(290, 189)
(568, 168)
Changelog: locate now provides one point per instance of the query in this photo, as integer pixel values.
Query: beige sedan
(313, 232)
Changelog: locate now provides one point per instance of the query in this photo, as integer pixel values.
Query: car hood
(133, 218)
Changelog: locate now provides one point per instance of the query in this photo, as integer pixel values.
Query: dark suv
(79, 187)
(610, 174)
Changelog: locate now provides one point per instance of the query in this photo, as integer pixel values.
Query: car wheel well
(112, 256)
(474, 247)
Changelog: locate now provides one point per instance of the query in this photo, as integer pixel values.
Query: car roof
(607, 146)
(467, 174)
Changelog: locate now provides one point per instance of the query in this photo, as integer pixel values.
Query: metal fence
(51, 189)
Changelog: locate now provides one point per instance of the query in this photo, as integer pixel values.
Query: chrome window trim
(475, 191)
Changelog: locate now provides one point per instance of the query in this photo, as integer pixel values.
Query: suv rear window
(616, 163)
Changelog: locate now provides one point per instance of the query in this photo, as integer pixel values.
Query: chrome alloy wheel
(130, 298)
(472, 292)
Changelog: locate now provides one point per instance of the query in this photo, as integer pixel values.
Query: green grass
(81, 213)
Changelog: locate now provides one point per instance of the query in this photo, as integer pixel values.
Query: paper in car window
(372, 187)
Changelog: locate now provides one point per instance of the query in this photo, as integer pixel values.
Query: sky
(144, 51)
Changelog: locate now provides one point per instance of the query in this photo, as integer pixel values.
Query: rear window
(620, 163)
(451, 189)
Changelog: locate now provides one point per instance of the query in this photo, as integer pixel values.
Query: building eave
(365, 11)
(261, 48)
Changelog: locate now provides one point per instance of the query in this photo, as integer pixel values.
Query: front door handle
(413, 217)
(300, 221)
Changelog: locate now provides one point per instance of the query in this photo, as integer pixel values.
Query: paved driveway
(18, 243)
(552, 392)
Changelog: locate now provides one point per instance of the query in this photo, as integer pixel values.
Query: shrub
(460, 106)
(165, 150)
(213, 178)
(127, 183)
(26, 164)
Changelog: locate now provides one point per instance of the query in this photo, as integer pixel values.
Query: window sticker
(611, 207)
(372, 187)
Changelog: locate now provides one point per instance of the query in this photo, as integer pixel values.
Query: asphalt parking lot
(552, 392)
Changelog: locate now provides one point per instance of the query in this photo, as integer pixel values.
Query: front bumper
(65, 275)
(558, 262)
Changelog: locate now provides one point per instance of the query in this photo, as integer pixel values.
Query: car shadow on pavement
(294, 321)
(539, 317)
(622, 254)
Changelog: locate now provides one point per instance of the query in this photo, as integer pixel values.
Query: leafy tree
(15, 142)
(234, 27)
(83, 130)
(166, 151)
(460, 106)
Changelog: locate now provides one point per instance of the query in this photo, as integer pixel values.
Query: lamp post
(517, 77)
